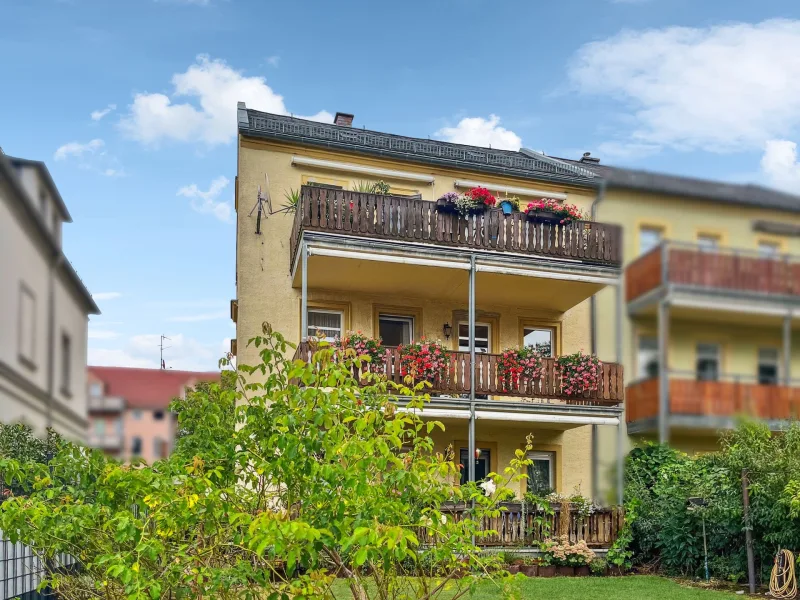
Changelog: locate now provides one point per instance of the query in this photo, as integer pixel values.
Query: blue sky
(132, 105)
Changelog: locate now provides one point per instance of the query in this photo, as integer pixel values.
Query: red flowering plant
(475, 200)
(566, 212)
(425, 360)
(362, 345)
(579, 373)
(481, 195)
(516, 363)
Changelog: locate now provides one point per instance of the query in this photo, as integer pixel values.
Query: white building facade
(44, 307)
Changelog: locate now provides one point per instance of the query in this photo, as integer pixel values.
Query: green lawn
(591, 588)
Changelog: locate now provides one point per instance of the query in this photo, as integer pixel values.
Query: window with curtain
(328, 323)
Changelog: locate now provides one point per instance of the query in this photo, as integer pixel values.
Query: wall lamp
(447, 330)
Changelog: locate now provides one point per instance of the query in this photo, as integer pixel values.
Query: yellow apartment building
(395, 266)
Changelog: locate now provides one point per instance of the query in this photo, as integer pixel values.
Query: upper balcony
(740, 277)
(106, 403)
(403, 219)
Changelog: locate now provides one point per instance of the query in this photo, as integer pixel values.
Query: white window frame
(548, 456)
(698, 357)
(708, 242)
(773, 252)
(328, 311)
(775, 362)
(401, 318)
(551, 330)
(641, 357)
(487, 339)
(649, 228)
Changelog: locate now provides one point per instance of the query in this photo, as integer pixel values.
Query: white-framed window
(27, 326)
(395, 329)
(483, 337)
(768, 249)
(708, 243)
(768, 361)
(541, 338)
(647, 357)
(329, 323)
(541, 473)
(708, 362)
(649, 238)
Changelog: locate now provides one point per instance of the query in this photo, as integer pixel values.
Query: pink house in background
(129, 409)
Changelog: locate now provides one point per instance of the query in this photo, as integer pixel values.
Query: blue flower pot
(507, 207)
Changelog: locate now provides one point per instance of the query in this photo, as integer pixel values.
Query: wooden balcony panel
(413, 220)
(643, 274)
(456, 381)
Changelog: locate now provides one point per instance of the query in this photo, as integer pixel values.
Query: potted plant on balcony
(509, 205)
(447, 202)
(474, 201)
(362, 346)
(516, 363)
(579, 373)
(549, 210)
(425, 360)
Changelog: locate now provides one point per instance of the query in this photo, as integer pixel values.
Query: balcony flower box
(579, 373)
(549, 210)
(509, 205)
(425, 360)
(447, 203)
(476, 200)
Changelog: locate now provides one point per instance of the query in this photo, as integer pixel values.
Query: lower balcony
(488, 381)
(110, 442)
(696, 404)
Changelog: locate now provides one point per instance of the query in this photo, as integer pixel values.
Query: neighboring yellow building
(393, 265)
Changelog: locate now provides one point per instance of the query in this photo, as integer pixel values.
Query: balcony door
(483, 337)
(708, 362)
(325, 323)
(541, 339)
(395, 330)
(483, 464)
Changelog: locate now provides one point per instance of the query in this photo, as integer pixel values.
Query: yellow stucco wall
(265, 292)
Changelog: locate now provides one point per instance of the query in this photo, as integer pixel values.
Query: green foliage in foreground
(295, 475)
(591, 588)
(667, 532)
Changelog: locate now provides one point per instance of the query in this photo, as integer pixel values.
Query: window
(136, 414)
(541, 474)
(328, 323)
(483, 464)
(27, 326)
(483, 332)
(100, 427)
(159, 448)
(66, 363)
(540, 338)
(158, 415)
(647, 357)
(649, 238)
(707, 362)
(96, 389)
(708, 243)
(118, 426)
(768, 366)
(768, 249)
(395, 329)
(136, 446)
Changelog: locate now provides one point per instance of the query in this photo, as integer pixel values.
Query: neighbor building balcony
(110, 442)
(696, 404)
(106, 404)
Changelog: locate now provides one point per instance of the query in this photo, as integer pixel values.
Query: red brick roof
(148, 388)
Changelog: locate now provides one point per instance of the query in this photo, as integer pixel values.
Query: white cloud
(273, 61)
(100, 296)
(477, 131)
(201, 317)
(206, 202)
(723, 88)
(114, 172)
(99, 114)
(184, 353)
(78, 149)
(215, 88)
(779, 165)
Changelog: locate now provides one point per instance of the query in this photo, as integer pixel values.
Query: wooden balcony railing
(414, 220)
(519, 527)
(456, 381)
(722, 269)
(728, 397)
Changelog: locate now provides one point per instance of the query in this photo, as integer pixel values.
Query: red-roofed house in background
(129, 409)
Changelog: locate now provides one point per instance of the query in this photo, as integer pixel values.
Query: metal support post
(621, 430)
(663, 372)
(304, 292)
(787, 350)
(471, 326)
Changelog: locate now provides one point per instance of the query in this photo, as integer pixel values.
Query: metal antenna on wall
(262, 199)
(163, 347)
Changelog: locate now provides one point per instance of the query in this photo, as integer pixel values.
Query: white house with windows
(44, 306)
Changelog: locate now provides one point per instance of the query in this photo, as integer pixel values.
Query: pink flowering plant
(362, 345)
(566, 212)
(425, 360)
(516, 363)
(560, 552)
(579, 373)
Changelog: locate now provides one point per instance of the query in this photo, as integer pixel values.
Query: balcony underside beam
(493, 415)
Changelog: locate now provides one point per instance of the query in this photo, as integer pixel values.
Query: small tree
(322, 476)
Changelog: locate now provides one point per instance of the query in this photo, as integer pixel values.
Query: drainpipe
(601, 194)
(51, 337)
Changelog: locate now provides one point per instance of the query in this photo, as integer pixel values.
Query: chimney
(588, 158)
(343, 119)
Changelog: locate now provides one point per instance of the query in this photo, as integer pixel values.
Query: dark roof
(525, 163)
(8, 172)
(48, 180)
(745, 194)
(148, 388)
